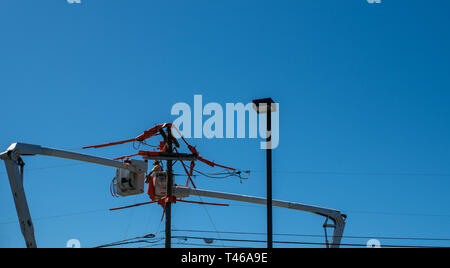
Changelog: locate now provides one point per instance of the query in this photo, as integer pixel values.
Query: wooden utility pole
(169, 190)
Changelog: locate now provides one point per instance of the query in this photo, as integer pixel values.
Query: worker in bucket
(157, 182)
(156, 167)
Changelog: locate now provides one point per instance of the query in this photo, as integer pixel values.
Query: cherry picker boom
(15, 169)
(131, 176)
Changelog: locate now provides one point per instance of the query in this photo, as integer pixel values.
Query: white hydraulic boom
(15, 168)
(333, 215)
(134, 169)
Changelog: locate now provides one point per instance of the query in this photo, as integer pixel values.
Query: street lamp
(266, 106)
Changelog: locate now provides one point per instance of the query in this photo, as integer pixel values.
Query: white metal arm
(15, 168)
(334, 215)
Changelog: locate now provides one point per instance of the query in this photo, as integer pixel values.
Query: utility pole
(269, 180)
(267, 106)
(169, 191)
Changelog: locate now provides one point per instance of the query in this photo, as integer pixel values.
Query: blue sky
(364, 115)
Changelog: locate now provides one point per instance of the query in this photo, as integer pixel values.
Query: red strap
(194, 151)
(132, 206)
(163, 201)
(162, 146)
(189, 174)
(168, 199)
(191, 148)
(152, 132)
(151, 188)
(146, 135)
(109, 144)
(212, 164)
(191, 169)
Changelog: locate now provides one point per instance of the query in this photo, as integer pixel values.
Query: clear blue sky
(363, 90)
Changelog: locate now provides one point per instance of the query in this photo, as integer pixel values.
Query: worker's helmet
(156, 163)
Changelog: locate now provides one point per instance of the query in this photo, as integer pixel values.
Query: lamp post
(265, 106)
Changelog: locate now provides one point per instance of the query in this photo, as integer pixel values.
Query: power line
(210, 219)
(234, 205)
(48, 167)
(397, 213)
(206, 245)
(319, 236)
(410, 214)
(58, 216)
(227, 174)
(404, 174)
(293, 242)
(153, 241)
(129, 243)
(189, 244)
(154, 245)
(139, 239)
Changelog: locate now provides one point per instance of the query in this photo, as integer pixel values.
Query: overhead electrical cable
(296, 242)
(320, 236)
